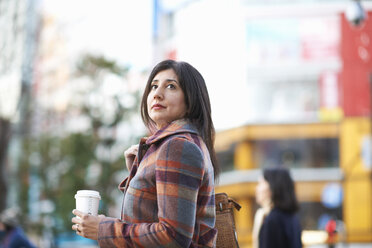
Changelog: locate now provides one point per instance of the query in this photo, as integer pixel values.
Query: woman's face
(166, 100)
(263, 192)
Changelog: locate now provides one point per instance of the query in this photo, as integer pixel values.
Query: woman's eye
(171, 86)
(154, 86)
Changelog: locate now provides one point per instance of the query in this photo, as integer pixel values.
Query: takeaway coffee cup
(87, 201)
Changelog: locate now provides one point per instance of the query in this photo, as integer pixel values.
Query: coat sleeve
(179, 173)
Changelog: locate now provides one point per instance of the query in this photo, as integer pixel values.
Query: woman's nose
(158, 93)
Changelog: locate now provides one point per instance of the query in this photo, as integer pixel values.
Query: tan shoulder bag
(225, 224)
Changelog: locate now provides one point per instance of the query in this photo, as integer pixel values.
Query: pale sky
(119, 29)
(214, 40)
(122, 30)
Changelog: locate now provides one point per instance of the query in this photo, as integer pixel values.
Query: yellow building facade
(352, 173)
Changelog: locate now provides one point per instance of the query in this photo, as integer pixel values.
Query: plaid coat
(169, 194)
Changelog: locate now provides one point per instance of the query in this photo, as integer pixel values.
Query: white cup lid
(88, 193)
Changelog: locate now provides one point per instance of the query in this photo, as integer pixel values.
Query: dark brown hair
(198, 106)
(282, 189)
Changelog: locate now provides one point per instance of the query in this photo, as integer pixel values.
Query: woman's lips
(157, 106)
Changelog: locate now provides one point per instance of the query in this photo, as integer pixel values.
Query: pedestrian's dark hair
(282, 189)
(198, 107)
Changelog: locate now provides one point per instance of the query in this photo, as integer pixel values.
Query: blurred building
(298, 75)
(19, 29)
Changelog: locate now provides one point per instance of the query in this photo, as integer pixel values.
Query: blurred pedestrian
(169, 194)
(11, 234)
(276, 224)
(332, 232)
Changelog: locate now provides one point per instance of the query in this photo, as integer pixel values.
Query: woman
(169, 194)
(276, 224)
(11, 233)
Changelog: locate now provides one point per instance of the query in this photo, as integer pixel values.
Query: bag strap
(221, 206)
(223, 202)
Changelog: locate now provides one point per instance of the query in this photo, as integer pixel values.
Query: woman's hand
(87, 225)
(130, 155)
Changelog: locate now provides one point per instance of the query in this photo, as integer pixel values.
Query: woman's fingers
(77, 213)
(86, 225)
(130, 155)
(78, 220)
(133, 150)
(75, 227)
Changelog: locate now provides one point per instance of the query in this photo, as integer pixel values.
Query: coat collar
(175, 127)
